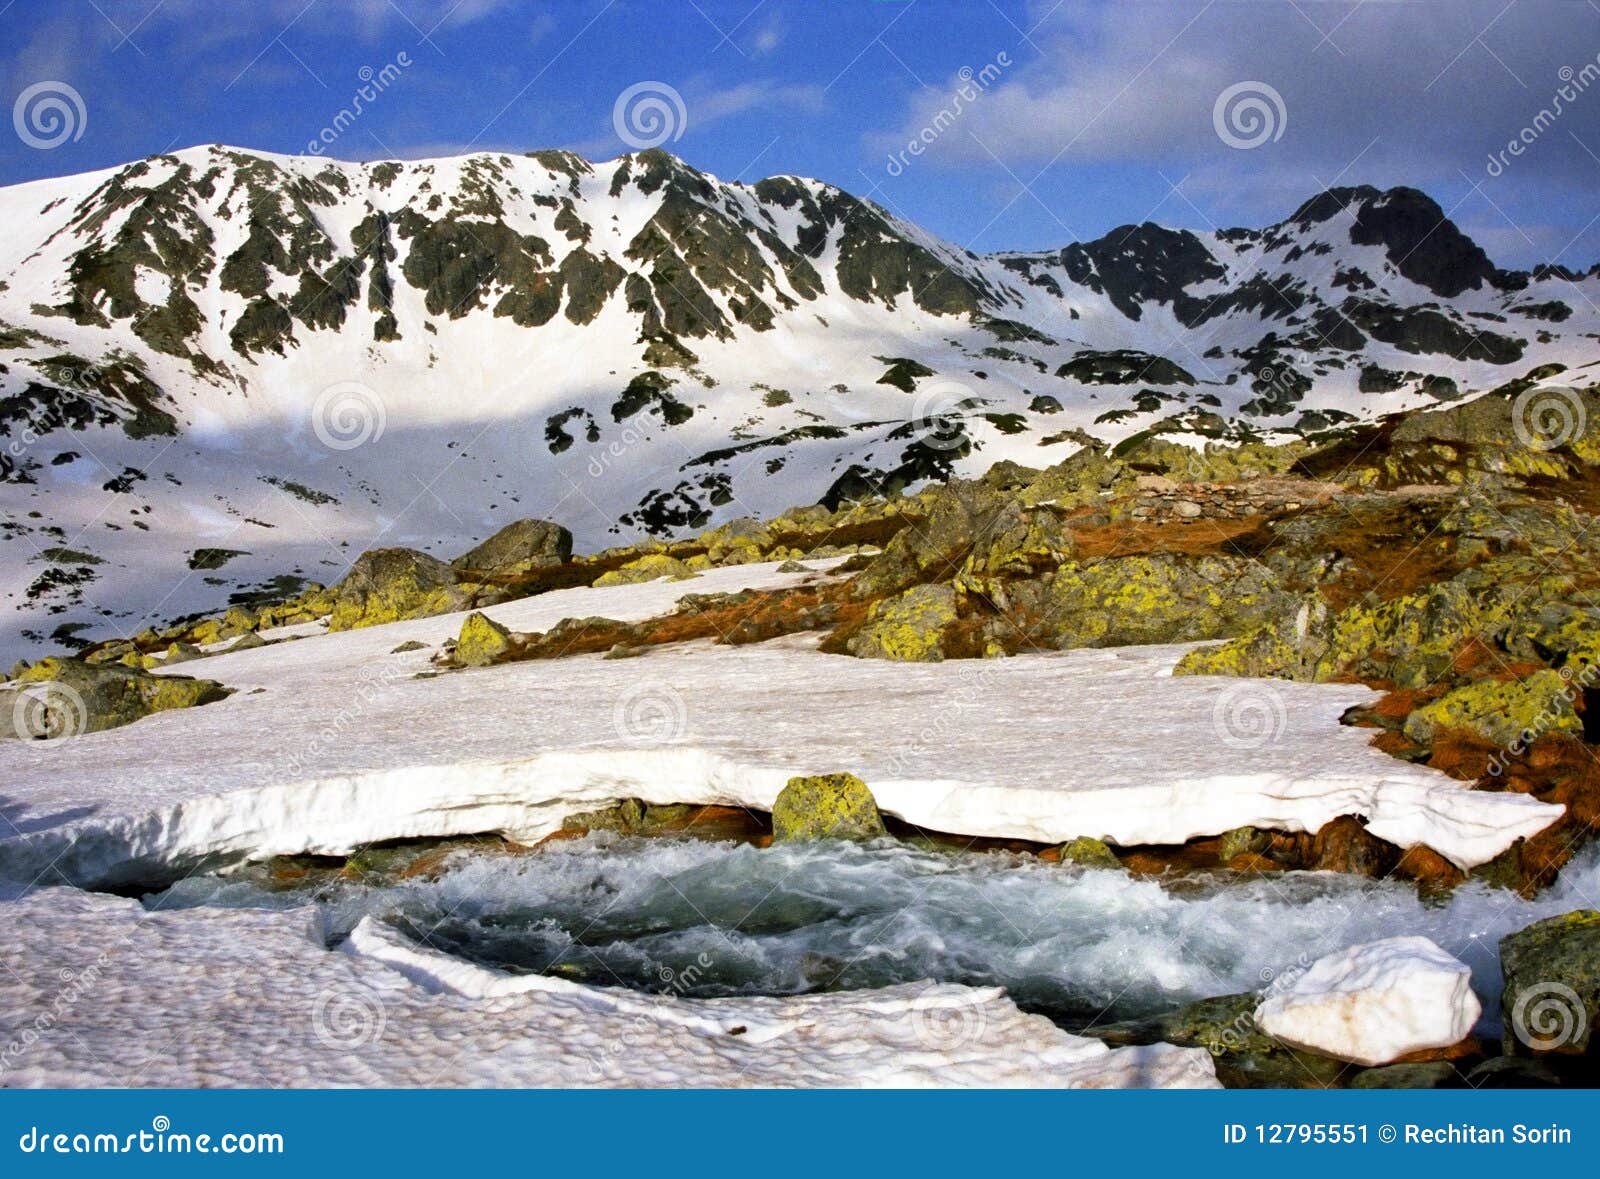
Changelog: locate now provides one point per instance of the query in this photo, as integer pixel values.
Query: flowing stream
(714, 919)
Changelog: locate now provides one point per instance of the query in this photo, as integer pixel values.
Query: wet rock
(1345, 845)
(518, 548)
(1552, 985)
(1245, 1056)
(826, 806)
(1088, 852)
(1241, 841)
(1513, 1072)
(1433, 1074)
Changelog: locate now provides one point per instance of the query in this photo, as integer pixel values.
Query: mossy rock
(1160, 598)
(1245, 1056)
(908, 628)
(1552, 985)
(651, 567)
(1241, 841)
(1432, 1074)
(1501, 711)
(483, 641)
(390, 585)
(181, 652)
(1088, 852)
(519, 548)
(826, 806)
(67, 697)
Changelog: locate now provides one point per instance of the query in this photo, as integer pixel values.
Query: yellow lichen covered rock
(390, 585)
(1502, 711)
(651, 567)
(67, 697)
(482, 641)
(907, 628)
(827, 806)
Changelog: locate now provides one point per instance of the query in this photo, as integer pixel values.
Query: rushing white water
(711, 919)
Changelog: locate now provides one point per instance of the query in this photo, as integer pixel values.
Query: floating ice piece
(1373, 1003)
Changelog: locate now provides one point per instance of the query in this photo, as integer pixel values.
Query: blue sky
(1089, 116)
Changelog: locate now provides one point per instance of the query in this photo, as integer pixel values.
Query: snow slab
(332, 742)
(101, 992)
(1374, 1003)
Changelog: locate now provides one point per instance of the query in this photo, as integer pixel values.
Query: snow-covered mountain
(221, 370)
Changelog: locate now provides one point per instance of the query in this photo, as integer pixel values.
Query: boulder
(1552, 985)
(388, 585)
(1372, 1004)
(1345, 845)
(961, 514)
(1241, 841)
(1500, 711)
(1160, 598)
(181, 652)
(67, 697)
(519, 548)
(483, 641)
(1088, 852)
(651, 567)
(826, 806)
(907, 628)
(1432, 1074)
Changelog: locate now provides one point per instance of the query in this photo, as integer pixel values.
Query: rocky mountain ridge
(223, 371)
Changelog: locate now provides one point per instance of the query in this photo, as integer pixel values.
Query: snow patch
(1374, 1003)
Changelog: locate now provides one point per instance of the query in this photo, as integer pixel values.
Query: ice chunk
(1376, 1002)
